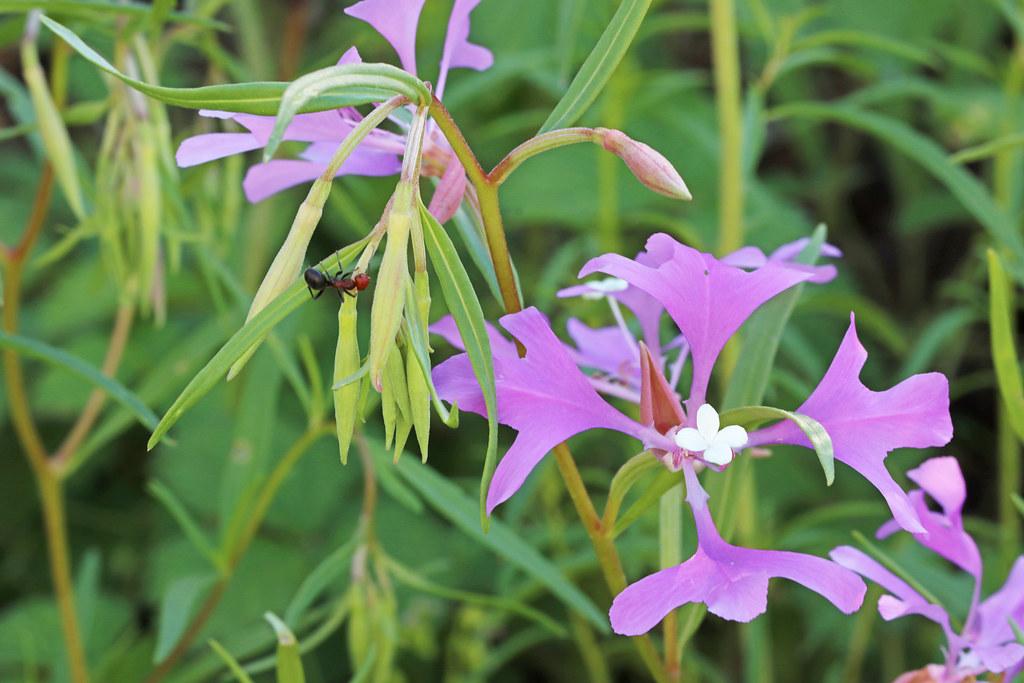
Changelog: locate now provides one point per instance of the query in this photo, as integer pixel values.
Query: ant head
(315, 279)
(362, 281)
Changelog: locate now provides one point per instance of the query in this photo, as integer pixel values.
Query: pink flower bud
(649, 166)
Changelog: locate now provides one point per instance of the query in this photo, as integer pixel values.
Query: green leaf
(176, 609)
(624, 479)
(961, 184)
(449, 501)
(229, 661)
(416, 582)
(664, 481)
(749, 380)
(325, 574)
(1018, 503)
(188, 525)
(289, 659)
(749, 416)
(1018, 632)
(393, 484)
(383, 79)
(92, 8)
(1004, 350)
(252, 331)
(464, 306)
(32, 348)
(357, 84)
(600, 64)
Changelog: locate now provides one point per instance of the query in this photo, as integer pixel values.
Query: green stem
(237, 550)
(725, 55)
(670, 543)
(494, 230)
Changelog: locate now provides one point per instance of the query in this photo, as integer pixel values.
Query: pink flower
(986, 644)
(378, 155)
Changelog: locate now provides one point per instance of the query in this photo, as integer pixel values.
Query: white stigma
(601, 288)
(716, 445)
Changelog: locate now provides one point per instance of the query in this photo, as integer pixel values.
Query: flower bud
(346, 363)
(286, 265)
(649, 166)
(389, 290)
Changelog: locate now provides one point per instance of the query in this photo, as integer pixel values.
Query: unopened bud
(389, 290)
(648, 165)
(286, 265)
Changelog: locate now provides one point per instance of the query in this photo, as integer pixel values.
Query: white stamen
(600, 288)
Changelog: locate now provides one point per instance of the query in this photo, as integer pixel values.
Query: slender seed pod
(346, 363)
(389, 290)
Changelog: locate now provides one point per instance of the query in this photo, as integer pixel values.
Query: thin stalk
(670, 543)
(726, 59)
(93, 406)
(236, 552)
(494, 231)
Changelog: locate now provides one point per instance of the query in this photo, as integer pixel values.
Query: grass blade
(33, 348)
(821, 442)
(1004, 350)
(600, 64)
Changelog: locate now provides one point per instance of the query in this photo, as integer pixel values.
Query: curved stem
(536, 145)
(236, 551)
(98, 397)
(494, 230)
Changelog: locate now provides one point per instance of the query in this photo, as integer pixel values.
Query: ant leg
(318, 295)
(350, 293)
(311, 292)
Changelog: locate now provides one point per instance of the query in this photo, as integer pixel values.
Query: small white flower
(717, 445)
(601, 288)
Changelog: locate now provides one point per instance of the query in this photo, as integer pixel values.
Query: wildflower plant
(673, 348)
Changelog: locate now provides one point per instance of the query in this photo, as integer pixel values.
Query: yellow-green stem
(726, 59)
(670, 544)
(490, 212)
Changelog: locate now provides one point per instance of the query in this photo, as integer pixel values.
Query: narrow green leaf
(289, 659)
(964, 186)
(464, 306)
(624, 479)
(1018, 632)
(230, 662)
(392, 484)
(32, 348)
(648, 499)
(93, 8)
(176, 610)
(362, 84)
(987, 149)
(748, 416)
(327, 573)
(600, 64)
(1004, 350)
(863, 39)
(1018, 503)
(383, 78)
(417, 582)
(185, 521)
(449, 501)
(252, 331)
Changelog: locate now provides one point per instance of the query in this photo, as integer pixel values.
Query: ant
(343, 283)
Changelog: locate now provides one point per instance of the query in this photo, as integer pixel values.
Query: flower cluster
(986, 643)
(548, 397)
(380, 153)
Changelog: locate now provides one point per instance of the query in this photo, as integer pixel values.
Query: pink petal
(904, 599)
(866, 425)
(1007, 603)
(750, 258)
(449, 331)
(199, 149)
(396, 20)
(731, 581)
(544, 396)
(266, 179)
(605, 350)
(449, 192)
(458, 51)
(708, 299)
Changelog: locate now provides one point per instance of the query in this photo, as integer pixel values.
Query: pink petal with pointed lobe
(866, 425)
(544, 396)
(396, 20)
(732, 581)
(707, 299)
(458, 51)
(199, 149)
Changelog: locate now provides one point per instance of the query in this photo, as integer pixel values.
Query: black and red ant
(343, 283)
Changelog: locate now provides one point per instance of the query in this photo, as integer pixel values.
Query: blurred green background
(854, 112)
